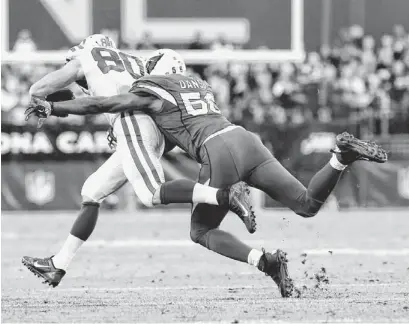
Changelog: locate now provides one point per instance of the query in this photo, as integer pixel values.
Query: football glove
(40, 108)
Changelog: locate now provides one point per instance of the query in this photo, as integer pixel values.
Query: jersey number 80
(109, 60)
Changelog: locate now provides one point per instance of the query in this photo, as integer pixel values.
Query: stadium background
(140, 265)
(354, 76)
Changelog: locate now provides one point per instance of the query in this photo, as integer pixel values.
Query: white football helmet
(96, 40)
(165, 61)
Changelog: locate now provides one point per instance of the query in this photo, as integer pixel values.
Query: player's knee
(197, 235)
(306, 213)
(194, 235)
(89, 192)
(309, 207)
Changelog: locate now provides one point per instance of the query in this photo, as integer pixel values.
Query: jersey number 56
(195, 105)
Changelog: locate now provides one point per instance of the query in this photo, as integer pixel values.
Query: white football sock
(204, 194)
(63, 258)
(254, 257)
(336, 164)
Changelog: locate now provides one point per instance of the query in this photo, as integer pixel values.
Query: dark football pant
(239, 155)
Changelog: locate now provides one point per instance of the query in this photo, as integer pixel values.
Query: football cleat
(349, 149)
(275, 266)
(44, 268)
(239, 203)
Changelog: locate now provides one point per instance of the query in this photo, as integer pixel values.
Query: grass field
(143, 268)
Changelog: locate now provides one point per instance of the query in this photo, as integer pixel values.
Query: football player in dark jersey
(105, 71)
(184, 109)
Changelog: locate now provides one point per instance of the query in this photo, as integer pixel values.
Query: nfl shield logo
(403, 182)
(40, 187)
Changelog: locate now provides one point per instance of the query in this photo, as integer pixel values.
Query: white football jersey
(108, 71)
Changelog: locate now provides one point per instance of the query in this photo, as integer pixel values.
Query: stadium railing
(190, 56)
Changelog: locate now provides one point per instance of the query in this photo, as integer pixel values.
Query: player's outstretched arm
(42, 109)
(99, 105)
(57, 80)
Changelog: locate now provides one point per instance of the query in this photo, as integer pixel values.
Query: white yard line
(352, 251)
(188, 243)
(204, 287)
(352, 320)
(164, 243)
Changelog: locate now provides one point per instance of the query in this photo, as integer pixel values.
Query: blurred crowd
(357, 79)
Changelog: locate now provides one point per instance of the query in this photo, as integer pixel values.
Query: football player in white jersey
(99, 66)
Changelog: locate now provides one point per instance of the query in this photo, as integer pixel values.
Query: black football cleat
(239, 203)
(44, 268)
(349, 149)
(275, 266)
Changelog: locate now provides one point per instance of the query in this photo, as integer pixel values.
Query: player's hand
(40, 108)
(112, 142)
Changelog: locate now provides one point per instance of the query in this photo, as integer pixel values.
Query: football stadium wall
(45, 170)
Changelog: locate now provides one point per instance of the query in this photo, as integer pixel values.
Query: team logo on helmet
(150, 65)
(165, 61)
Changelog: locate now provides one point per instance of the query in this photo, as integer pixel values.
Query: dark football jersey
(189, 113)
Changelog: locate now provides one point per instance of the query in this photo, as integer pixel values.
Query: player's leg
(107, 179)
(235, 197)
(187, 191)
(205, 228)
(204, 231)
(207, 218)
(272, 178)
(99, 185)
(141, 146)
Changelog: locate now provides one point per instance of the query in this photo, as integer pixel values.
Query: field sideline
(349, 266)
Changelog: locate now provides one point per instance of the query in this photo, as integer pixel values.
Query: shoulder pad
(153, 80)
(74, 52)
(159, 79)
(157, 86)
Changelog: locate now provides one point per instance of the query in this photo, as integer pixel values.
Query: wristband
(336, 164)
(53, 113)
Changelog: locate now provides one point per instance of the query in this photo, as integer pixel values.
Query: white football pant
(140, 146)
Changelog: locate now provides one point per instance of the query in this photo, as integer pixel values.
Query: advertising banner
(54, 143)
(50, 185)
(305, 149)
(46, 169)
(375, 185)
